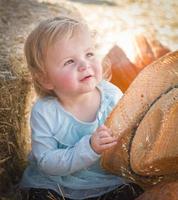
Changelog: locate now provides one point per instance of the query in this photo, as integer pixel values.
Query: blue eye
(69, 62)
(90, 54)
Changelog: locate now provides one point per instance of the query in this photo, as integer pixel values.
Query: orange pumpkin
(147, 49)
(123, 71)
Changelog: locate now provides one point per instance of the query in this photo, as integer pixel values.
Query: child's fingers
(107, 140)
(106, 146)
(105, 133)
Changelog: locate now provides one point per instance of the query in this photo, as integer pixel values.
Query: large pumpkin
(146, 50)
(145, 122)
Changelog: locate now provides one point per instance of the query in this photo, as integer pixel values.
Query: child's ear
(45, 81)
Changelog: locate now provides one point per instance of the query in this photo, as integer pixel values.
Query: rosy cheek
(68, 79)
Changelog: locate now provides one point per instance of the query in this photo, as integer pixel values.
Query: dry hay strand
(16, 91)
(16, 98)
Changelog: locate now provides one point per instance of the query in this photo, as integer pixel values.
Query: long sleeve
(52, 160)
(61, 154)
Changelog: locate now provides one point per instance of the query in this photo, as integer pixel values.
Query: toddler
(67, 120)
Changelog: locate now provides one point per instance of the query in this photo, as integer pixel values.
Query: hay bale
(17, 18)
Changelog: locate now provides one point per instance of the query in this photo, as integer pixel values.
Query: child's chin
(91, 86)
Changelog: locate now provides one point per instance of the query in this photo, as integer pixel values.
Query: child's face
(72, 67)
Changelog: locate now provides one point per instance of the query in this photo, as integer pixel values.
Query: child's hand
(102, 139)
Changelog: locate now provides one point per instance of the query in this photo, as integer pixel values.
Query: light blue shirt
(62, 158)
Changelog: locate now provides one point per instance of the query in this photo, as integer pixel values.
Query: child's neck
(85, 106)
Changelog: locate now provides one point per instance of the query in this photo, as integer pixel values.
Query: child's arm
(55, 161)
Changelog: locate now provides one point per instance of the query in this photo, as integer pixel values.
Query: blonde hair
(45, 34)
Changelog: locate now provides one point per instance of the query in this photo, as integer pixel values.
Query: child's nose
(83, 66)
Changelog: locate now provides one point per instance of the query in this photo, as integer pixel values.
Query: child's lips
(86, 78)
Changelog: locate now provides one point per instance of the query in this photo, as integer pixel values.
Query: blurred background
(116, 20)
